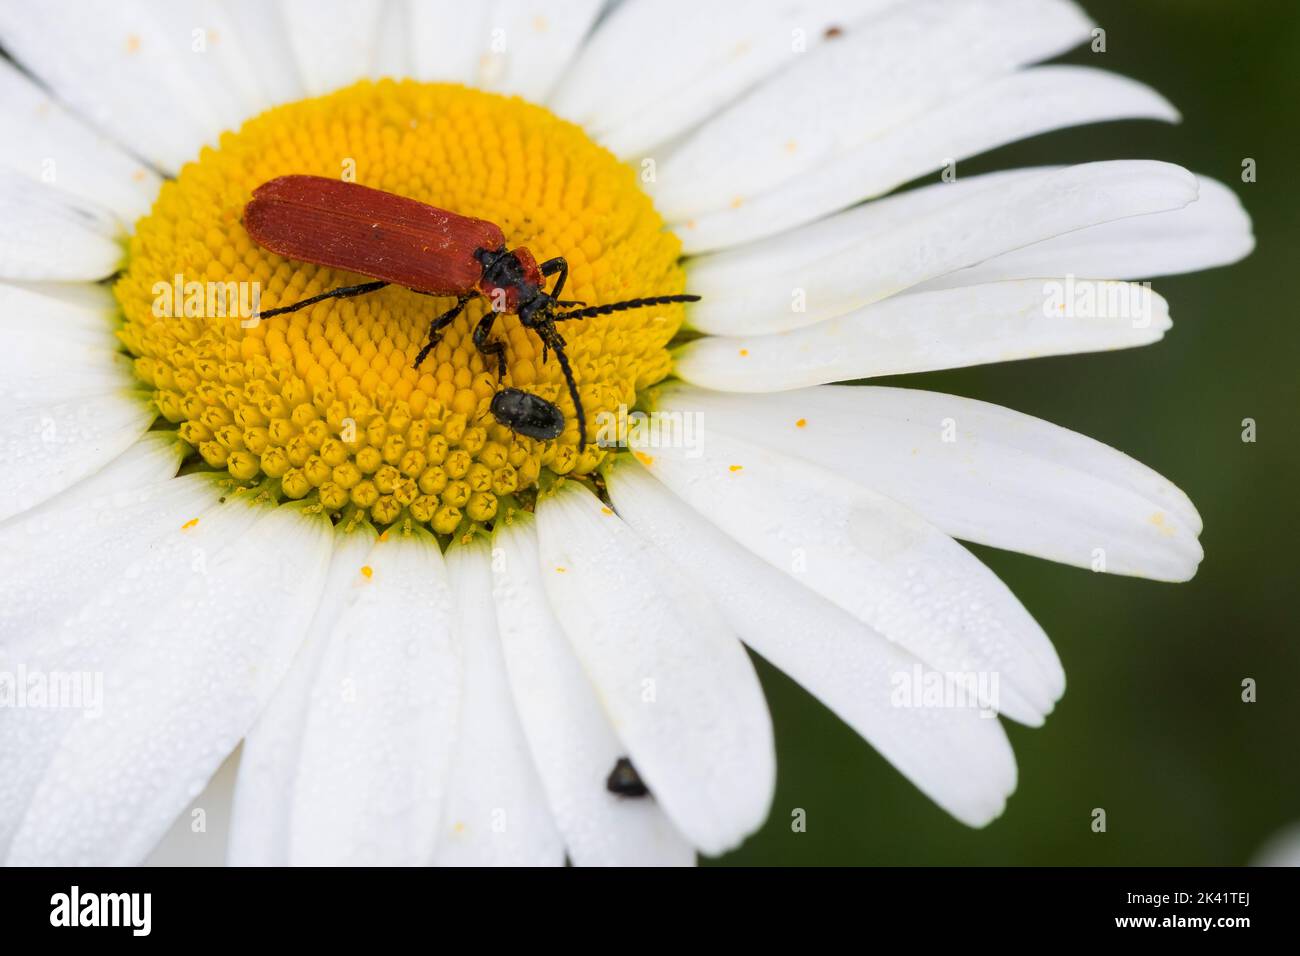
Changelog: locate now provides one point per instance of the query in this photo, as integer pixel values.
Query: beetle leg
(488, 349)
(550, 267)
(436, 327)
(343, 292)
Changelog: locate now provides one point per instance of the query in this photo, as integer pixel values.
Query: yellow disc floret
(324, 402)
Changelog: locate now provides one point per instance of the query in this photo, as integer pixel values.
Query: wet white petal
(126, 68)
(509, 46)
(124, 522)
(677, 77)
(392, 43)
(1215, 230)
(957, 755)
(785, 284)
(447, 39)
(263, 802)
(923, 332)
(47, 234)
(186, 843)
(334, 41)
(213, 53)
(978, 471)
(573, 745)
(677, 685)
(56, 350)
(844, 95)
(872, 557)
(530, 43)
(264, 40)
(245, 582)
(876, 218)
(496, 810)
(1003, 111)
(43, 141)
(378, 734)
(49, 447)
(85, 531)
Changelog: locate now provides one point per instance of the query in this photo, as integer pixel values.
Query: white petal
(84, 532)
(860, 257)
(175, 704)
(1003, 111)
(56, 350)
(573, 745)
(47, 234)
(1003, 479)
(264, 40)
(334, 41)
(50, 447)
(923, 332)
(215, 57)
(116, 530)
(41, 140)
(124, 68)
(518, 47)
(874, 558)
(392, 45)
(496, 810)
(957, 755)
(678, 687)
(876, 218)
(682, 76)
(1282, 848)
(263, 801)
(94, 297)
(1213, 231)
(447, 39)
(846, 94)
(185, 844)
(377, 738)
(530, 43)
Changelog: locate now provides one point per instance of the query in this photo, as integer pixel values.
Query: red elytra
(399, 240)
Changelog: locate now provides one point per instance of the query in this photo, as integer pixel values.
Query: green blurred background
(1152, 727)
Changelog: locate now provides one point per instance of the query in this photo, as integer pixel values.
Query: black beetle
(527, 414)
(625, 781)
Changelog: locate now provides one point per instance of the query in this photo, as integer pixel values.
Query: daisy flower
(434, 640)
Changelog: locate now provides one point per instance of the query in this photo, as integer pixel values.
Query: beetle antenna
(595, 310)
(557, 346)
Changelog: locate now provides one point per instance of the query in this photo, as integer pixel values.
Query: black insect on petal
(625, 781)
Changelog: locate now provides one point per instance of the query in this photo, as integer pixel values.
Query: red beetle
(401, 241)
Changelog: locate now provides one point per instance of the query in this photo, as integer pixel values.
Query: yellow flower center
(324, 402)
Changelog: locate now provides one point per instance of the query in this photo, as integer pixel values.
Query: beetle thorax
(510, 278)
